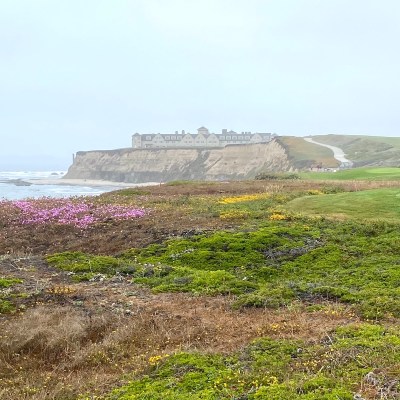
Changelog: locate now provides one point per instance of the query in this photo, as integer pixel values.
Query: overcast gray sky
(87, 74)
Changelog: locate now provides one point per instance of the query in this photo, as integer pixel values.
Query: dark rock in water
(19, 182)
(54, 173)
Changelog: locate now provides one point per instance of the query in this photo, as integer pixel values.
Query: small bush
(274, 176)
(7, 282)
(86, 264)
(6, 306)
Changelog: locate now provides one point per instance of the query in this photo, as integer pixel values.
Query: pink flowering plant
(78, 212)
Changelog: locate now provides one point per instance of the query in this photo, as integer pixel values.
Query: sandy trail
(338, 153)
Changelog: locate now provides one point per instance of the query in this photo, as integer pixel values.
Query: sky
(87, 74)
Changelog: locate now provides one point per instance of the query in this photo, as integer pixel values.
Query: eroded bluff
(162, 165)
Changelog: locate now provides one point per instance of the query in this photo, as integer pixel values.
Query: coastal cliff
(162, 165)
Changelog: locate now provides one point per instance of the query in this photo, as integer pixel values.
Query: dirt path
(338, 153)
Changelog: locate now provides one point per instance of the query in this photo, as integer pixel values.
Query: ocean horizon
(13, 188)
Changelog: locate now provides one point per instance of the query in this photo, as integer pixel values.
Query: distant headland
(229, 155)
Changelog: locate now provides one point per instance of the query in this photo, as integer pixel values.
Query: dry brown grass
(53, 352)
(84, 339)
(174, 212)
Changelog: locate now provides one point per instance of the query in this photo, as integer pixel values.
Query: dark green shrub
(274, 176)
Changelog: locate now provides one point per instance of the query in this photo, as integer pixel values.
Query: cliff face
(162, 165)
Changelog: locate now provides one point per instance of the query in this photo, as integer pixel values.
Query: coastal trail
(338, 153)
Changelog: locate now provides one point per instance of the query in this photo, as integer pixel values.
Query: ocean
(12, 188)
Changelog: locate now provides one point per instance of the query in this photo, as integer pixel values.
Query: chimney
(183, 131)
(224, 131)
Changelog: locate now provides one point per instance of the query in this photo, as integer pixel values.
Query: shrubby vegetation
(306, 260)
(226, 291)
(277, 369)
(7, 282)
(6, 305)
(275, 176)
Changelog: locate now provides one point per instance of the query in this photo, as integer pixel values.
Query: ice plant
(79, 213)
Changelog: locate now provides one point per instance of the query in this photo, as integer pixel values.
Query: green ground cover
(280, 253)
(376, 204)
(275, 370)
(6, 305)
(392, 141)
(365, 150)
(347, 140)
(7, 282)
(273, 266)
(360, 143)
(368, 174)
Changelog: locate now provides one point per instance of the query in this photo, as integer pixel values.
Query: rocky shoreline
(85, 182)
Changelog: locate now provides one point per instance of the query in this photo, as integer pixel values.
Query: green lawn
(367, 204)
(370, 174)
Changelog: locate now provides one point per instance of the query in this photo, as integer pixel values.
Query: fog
(86, 75)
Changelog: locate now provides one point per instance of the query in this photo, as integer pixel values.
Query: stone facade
(203, 139)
